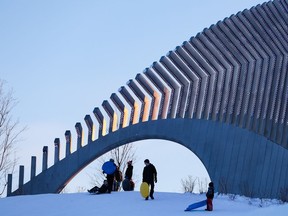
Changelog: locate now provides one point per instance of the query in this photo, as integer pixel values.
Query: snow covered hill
(131, 203)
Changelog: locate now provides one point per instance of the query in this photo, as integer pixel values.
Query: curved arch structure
(223, 94)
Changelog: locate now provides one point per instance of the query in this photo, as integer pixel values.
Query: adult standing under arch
(149, 176)
(110, 176)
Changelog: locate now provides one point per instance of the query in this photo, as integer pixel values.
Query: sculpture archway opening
(174, 164)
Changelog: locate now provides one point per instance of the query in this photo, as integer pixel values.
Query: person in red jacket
(149, 176)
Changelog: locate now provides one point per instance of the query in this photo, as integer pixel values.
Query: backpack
(118, 176)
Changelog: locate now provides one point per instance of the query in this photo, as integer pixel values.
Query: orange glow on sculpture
(147, 103)
(136, 114)
(125, 118)
(104, 132)
(114, 124)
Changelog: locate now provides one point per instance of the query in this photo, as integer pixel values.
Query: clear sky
(63, 58)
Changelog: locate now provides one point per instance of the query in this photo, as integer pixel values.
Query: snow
(131, 203)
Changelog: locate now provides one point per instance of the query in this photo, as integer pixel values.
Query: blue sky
(63, 58)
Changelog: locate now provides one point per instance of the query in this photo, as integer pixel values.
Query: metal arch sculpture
(223, 94)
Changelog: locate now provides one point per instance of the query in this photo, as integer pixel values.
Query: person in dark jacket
(210, 196)
(110, 178)
(102, 189)
(129, 170)
(129, 174)
(149, 176)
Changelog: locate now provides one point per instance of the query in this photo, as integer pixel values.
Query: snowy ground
(131, 203)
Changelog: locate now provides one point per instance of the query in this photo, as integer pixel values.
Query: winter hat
(111, 160)
(146, 161)
(129, 162)
(211, 184)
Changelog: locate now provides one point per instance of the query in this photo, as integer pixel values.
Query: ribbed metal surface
(234, 72)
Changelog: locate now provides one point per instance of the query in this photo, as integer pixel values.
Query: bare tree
(9, 134)
(122, 155)
(188, 184)
(202, 185)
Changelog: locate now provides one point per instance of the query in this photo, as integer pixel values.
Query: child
(210, 196)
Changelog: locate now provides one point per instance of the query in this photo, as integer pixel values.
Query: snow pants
(209, 204)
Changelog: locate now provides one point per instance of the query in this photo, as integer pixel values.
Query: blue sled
(196, 205)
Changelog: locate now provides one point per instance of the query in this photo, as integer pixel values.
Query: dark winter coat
(129, 172)
(103, 189)
(149, 174)
(210, 192)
